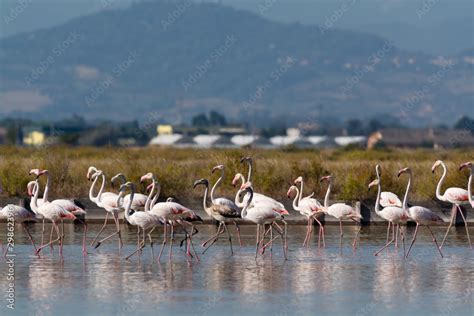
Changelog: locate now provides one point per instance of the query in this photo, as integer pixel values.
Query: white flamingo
(308, 207)
(257, 197)
(340, 211)
(455, 196)
(220, 212)
(419, 214)
(392, 214)
(263, 214)
(139, 199)
(469, 182)
(169, 213)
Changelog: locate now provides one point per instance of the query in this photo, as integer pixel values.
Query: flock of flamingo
(146, 213)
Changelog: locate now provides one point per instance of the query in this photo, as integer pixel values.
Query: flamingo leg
(435, 242)
(164, 242)
(190, 245)
(341, 234)
(101, 229)
(453, 218)
(388, 231)
(396, 235)
(84, 248)
(53, 241)
(220, 231)
(402, 235)
(307, 234)
(171, 241)
(237, 227)
(354, 243)
(151, 245)
(321, 232)
(216, 236)
(388, 243)
(140, 247)
(61, 242)
(465, 225)
(29, 236)
(258, 241)
(51, 238)
(113, 234)
(282, 234)
(413, 240)
(230, 238)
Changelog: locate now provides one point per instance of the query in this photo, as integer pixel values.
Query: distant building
(33, 137)
(428, 138)
(164, 130)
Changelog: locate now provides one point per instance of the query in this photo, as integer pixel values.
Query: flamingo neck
(469, 184)
(243, 214)
(405, 198)
(102, 186)
(297, 199)
(148, 198)
(250, 170)
(204, 201)
(157, 194)
(377, 201)
(34, 200)
(326, 198)
(91, 191)
(46, 189)
(132, 193)
(300, 192)
(237, 201)
(217, 184)
(440, 183)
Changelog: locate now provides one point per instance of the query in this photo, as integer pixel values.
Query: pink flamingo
(455, 196)
(263, 214)
(18, 214)
(421, 215)
(308, 207)
(68, 205)
(469, 182)
(340, 211)
(392, 214)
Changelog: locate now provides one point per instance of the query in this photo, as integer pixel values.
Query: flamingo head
(246, 186)
(402, 171)
(118, 176)
(31, 187)
(246, 159)
(436, 165)
(293, 189)
(170, 199)
(148, 176)
(326, 178)
(35, 172)
(218, 167)
(373, 183)
(283, 212)
(90, 171)
(125, 186)
(236, 179)
(298, 180)
(201, 182)
(148, 188)
(466, 165)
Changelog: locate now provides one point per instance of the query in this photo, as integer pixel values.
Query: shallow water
(311, 281)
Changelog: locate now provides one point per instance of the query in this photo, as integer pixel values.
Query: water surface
(311, 282)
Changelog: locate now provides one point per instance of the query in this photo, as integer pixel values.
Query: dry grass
(274, 170)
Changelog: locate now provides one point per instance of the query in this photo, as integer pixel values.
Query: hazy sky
(434, 26)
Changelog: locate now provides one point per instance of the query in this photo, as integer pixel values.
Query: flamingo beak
(462, 166)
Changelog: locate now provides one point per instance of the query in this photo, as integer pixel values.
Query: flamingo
(340, 211)
(455, 196)
(392, 214)
(221, 212)
(469, 183)
(419, 214)
(17, 214)
(263, 214)
(143, 220)
(257, 197)
(139, 200)
(226, 203)
(169, 212)
(67, 205)
(107, 201)
(308, 207)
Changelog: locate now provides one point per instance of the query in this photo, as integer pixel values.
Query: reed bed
(274, 170)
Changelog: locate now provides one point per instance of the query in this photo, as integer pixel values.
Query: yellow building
(164, 129)
(34, 138)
